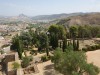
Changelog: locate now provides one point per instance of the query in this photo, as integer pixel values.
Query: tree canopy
(73, 63)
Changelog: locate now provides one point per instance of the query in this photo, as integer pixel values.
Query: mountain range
(86, 19)
(65, 19)
(55, 16)
(24, 18)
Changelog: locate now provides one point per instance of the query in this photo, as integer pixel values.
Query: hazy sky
(45, 7)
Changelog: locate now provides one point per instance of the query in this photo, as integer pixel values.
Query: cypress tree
(69, 43)
(20, 48)
(74, 45)
(77, 44)
(47, 45)
(60, 44)
(64, 44)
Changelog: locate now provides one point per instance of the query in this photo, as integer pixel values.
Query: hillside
(55, 16)
(64, 19)
(19, 18)
(86, 19)
(39, 18)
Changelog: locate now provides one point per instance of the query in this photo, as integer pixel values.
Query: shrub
(84, 49)
(98, 35)
(16, 65)
(25, 62)
(45, 58)
(2, 52)
(97, 46)
(31, 58)
(89, 48)
(93, 47)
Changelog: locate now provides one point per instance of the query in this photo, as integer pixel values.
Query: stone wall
(14, 72)
(11, 57)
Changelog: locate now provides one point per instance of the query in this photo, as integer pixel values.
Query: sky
(47, 7)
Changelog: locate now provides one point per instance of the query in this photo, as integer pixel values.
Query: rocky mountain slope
(86, 19)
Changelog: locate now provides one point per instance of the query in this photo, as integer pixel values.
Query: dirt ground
(94, 57)
(46, 68)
